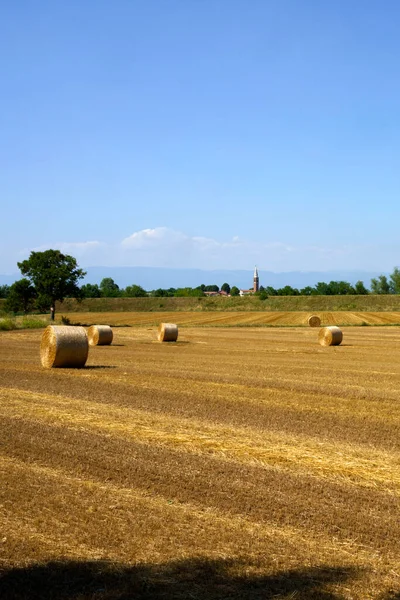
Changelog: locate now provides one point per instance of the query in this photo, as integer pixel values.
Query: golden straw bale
(100, 335)
(330, 336)
(314, 321)
(64, 346)
(167, 332)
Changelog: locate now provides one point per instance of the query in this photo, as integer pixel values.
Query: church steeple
(255, 280)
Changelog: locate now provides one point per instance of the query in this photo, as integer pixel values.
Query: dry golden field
(237, 463)
(225, 319)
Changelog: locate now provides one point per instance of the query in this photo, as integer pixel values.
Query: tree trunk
(52, 312)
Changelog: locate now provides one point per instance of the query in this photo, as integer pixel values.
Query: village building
(256, 285)
(219, 293)
(253, 290)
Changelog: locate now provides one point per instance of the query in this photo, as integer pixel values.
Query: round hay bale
(330, 336)
(314, 321)
(64, 346)
(167, 332)
(100, 335)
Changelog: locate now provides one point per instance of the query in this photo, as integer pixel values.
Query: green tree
(394, 281)
(188, 291)
(360, 288)
(340, 288)
(211, 288)
(287, 291)
(90, 290)
(235, 291)
(54, 275)
(162, 293)
(21, 296)
(109, 289)
(4, 290)
(322, 289)
(225, 287)
(380, 285)
(42, 304)
(135, 291)
(271, 291)
(307, 291)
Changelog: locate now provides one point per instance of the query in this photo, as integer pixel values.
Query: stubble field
(234, 319)
(245, 463)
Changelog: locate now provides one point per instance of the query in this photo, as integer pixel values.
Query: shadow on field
(78, 324)
(195, 579)
(89, 367)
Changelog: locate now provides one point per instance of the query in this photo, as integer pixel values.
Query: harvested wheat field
(233, 319)
(236, 463)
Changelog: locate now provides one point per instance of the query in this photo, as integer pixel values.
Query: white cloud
(165, 247)
(151, 238)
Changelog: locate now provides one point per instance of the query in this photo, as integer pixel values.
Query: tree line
(52, 276)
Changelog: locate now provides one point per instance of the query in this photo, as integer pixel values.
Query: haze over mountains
(153, 277)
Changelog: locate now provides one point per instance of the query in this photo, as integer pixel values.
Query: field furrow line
(53, 524)
(233, 318)
(279, 394)
(257, 403)
(357, 465)
(271, 496)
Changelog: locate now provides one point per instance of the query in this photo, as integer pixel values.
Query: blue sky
(201, 133)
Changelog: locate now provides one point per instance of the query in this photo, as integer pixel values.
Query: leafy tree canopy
(394, 281)
(4, 291)
(262, 294)
(307, 291)
(162, 293)
(135, 291)
(54, 275)
(188, 291)
(225, 287)
(339, 288)
(288, 291)
(360, 288)
(21, 296)
(380, 285)
(270, 290)
(109, 289)
(322, 288)
(91, 290)
(42, 303)
(235, 291)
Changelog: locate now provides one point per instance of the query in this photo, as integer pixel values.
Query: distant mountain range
(153, 277)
